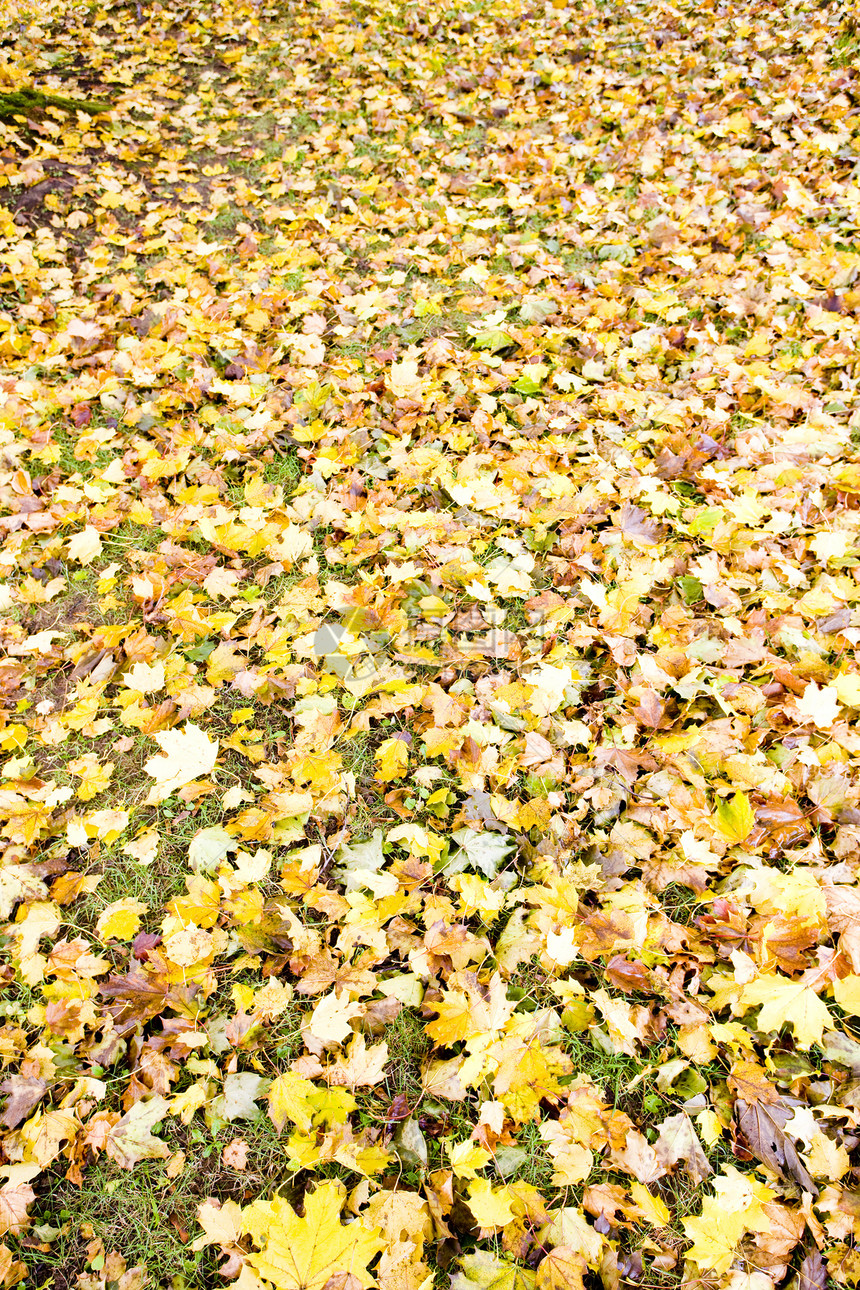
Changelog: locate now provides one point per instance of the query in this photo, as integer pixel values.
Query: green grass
(680, 903)
(408, 1049)
(846, 47)
(224, 222)
(149, 1217)
(358, 752)
(285, 469)
(143, 1214)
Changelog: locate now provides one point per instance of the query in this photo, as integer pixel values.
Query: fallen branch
(29, 103)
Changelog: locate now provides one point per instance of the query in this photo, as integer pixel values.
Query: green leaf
(484, 851)
(706, 520)
(536, 309)
(691, 589)
(493, 339)
(527, 385)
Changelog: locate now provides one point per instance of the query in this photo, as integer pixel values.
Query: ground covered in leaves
(430, 611)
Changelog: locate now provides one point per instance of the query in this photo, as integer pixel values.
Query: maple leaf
(222, 1224)
(120, 920)
(289, 1099)
(485, 1271)
(715, 1234)
(490, 1205)
(404, 381)
(15, 1200)
(241, 1090)
(187, 754)
(131, 1140)
(304, 1253)
(735, 819)
(392, 759)
(677, 1141)
(484, 851)
(819, 704)
(362, 1067)
(329, 1022)
(360, 864)
(570, 1228)
(561, 1269)
(86, 545)
(785, 1002)
(145, 679)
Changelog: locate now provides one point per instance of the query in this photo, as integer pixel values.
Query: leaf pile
(430, 611)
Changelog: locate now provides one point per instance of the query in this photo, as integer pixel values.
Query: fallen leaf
(187, 754)
(304, 1253)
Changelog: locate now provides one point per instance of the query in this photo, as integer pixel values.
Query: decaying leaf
(763, 1127)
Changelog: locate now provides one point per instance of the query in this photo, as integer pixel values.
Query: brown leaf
(24, 1095)
(780, 824)
(773, 1247)
(627, 976)
(763, 1129)
(235, 1155)
(343, 1281)
(678, 1140)
(650, 708)
(812, 1274)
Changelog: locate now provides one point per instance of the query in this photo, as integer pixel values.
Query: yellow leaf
(710, 1127)
(653, 1207)
(43, 1135)
(121, 920)
(329, 1023)
(86, 545)
(144, 847)
(786, 1002)
(847, 994)
(478, 897)
(257, 319)
(305, 1253)
(93, 776)
(491, 1206)
(392, 758)
(466, 1158)
(145, 679)
(402, 1216)
(715, 1235)
(826, 1159)
(561, 1269)
(222, 1224)
(454, 1021)
(847, 687)
(188, 946)
(735, 818)
(188, 754)
(819, 705)
(404, 380)
(288, 1100)
(106, 825)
